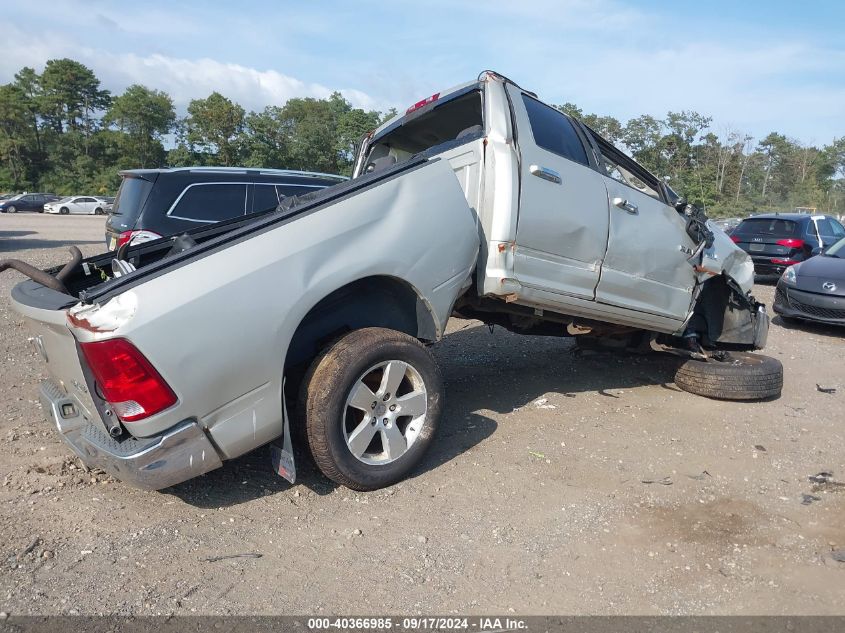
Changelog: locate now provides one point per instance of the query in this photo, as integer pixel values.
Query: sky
(755, 66)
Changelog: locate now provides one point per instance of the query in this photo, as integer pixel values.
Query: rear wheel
(732, 376)
(371, 404)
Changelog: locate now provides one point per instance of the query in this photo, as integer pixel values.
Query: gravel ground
(533, 500)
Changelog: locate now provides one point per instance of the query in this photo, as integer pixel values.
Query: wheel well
(379, 301)
(722, 313)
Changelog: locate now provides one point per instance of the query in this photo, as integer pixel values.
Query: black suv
(776, 241)
(154, 203)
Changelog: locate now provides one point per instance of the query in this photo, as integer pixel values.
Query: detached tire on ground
(371, 403)
(737, 376)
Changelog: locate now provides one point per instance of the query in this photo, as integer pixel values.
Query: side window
(264, 197)
(28, 198)
(286, 191)
(825, 229)
(619, 170)
(838, 229)
(553, 131)
(210, 202)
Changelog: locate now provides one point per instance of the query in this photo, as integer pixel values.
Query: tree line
(726, 170)
(60, 131)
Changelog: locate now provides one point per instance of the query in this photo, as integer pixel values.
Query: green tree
(14, 132)
(215, 125)
(70, 95)
(642, 136)
(266, 138)
(144, 116)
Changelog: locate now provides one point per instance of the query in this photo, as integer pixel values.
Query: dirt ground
(534, 499)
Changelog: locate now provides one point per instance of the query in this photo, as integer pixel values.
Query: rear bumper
(798, 304)
(763, 267)
(150, 463)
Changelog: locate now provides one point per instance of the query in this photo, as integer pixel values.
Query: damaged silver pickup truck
(169, 357)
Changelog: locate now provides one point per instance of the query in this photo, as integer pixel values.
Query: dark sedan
(27, 202)
(778, 240)
(814, 290)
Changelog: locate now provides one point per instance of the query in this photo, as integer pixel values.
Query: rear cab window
(210, 202)
(447, 123)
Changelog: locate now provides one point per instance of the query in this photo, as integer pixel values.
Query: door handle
(623, 203)
(546, 174)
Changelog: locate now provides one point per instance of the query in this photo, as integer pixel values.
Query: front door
(646, 267)
(563, 216)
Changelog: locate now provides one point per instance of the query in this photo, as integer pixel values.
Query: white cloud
(182, 78)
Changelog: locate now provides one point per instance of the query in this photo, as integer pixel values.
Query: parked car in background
(727, 224)
(153, 203)
(776, 241)
(815, 289)
(33, 202)
(108, 203)
(79, 205)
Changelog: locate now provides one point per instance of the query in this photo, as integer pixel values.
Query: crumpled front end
(725, 312)
(725, 257)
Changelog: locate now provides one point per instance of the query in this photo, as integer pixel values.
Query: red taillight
(136, 237)
(127, 380)
(791, 242)
(423, 103)
(735, 239)
(784, 262)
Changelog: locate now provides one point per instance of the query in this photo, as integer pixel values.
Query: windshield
(837, 250)
(68, 199)
(131, 197)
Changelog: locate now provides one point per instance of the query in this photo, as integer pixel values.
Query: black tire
(738, 376)
(98, 211)
(323, 405)
(64, 211)
(11, 210)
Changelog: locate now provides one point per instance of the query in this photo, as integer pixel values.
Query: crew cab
(480, 201)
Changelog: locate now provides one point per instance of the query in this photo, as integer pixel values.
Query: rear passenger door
(561, 232)
(83, 205)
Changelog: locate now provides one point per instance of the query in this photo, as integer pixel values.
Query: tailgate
(57, 346)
